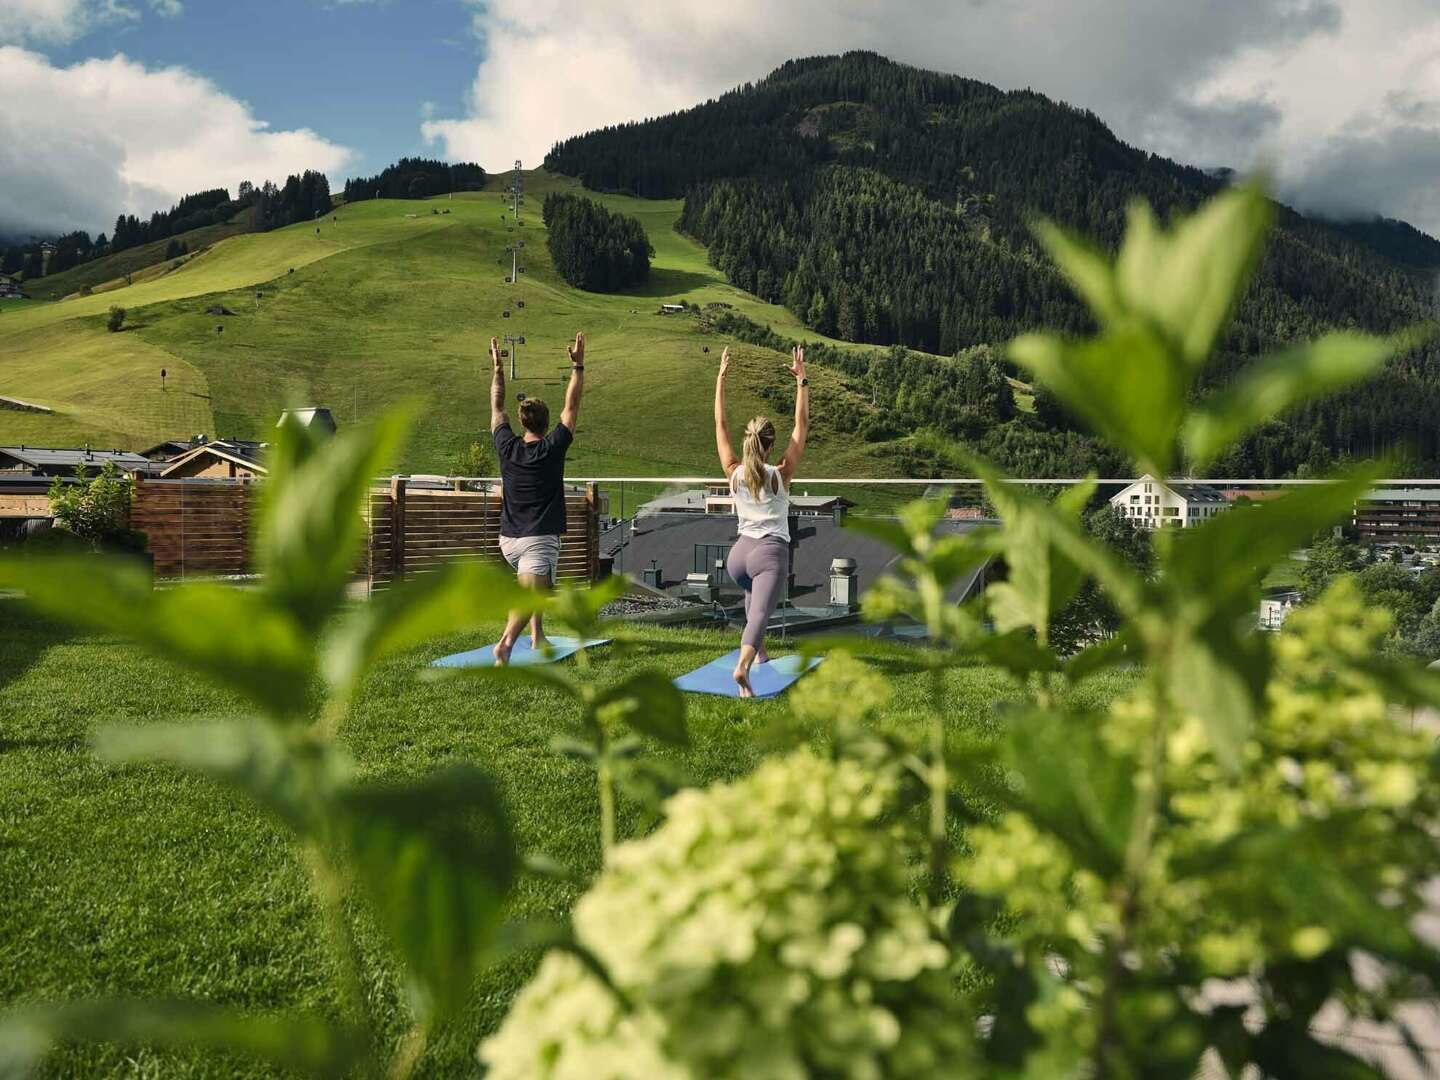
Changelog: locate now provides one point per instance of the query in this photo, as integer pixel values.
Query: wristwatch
(577, 367)
(804, 382)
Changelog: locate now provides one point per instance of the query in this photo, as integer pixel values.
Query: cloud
(80, 144)
(1225, 82)
(59, 22)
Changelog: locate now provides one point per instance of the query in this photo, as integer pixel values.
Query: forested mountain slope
(886, 204)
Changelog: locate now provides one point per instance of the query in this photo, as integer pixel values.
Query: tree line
(416, 178)
(271, 206)
(594, 248)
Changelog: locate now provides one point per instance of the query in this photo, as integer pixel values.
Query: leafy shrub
(96, 509)
(116, 318)
(477, 459)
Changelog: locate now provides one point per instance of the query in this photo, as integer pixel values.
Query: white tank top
(768, 515)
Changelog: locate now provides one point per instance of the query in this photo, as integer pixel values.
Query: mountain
(1396, 240)
(882, 203)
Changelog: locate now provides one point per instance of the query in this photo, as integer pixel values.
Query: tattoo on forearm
(497, 391)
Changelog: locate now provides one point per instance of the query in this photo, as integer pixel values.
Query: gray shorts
(534, 555)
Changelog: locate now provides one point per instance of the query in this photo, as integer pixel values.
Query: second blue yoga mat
(767, 680)
(522, 654)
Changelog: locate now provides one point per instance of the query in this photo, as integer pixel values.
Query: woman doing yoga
(760, 558)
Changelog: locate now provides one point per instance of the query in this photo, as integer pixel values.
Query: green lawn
(394, 302)
(146, 881)
(1286, 572)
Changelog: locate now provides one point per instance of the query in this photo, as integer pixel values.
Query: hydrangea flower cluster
(1277, 862)
(764, 931)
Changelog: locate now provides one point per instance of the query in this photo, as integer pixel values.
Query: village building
(216, 459)
(1149, 503)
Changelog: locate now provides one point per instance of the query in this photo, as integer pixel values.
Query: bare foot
(502, 652)
(742, 680)
(762, 657)
(541, 644)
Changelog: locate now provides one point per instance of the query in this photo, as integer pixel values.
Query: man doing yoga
(532, 476)
(760, 559)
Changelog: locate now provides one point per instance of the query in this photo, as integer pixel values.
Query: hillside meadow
(391, 301)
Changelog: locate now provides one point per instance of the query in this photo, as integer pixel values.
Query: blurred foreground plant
(435, 857)
(1251, 812)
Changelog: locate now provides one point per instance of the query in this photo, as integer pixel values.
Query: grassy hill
(140, 262)
(391, 303)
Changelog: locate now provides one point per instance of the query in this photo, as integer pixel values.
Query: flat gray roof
(40, 456)
(1404, 495)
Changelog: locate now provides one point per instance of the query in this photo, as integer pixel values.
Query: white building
(1151, 504)
(1275, 607)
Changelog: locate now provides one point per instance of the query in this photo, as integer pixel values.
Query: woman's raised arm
(801, 430)
(723, 446)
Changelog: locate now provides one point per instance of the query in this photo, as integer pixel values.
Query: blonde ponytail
(759, 438)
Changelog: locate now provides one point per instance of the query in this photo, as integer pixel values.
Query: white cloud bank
(1340, 98)
(80, 144)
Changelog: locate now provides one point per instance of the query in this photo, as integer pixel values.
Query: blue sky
(125, 105)
(358, 73)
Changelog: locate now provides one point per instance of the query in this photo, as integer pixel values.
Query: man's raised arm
(498, 415)
(570, 415)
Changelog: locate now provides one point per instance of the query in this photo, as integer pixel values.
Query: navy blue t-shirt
(533, 503)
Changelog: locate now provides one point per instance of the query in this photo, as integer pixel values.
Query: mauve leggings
(758, 567)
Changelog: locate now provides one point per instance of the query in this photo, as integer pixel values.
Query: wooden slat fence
(202, 527)
(414, 530)
(195, 527)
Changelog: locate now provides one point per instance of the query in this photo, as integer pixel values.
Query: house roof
(692, 501)
(1186, 489)
(244, 452)
(669, 539)
(171, 447)
(51, 457)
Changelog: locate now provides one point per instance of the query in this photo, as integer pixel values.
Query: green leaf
(1271, 386)
(234, 636)
(1016, 652)
(919, 518)
(311, 521)
(305, 1043)
(579, 608)
(1041, 578)
(1099, 657)
(649, 703)
(1071, 785)
(1188, 281)
(457, 598)
(1211, 580)
(284, 770)
(1088, 269)
(1405, 681)
(1218, 564)
(1222, 676)
(952, 557)
(1125, 384)
(437, 857)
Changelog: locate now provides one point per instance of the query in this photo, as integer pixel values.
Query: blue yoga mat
(522, 655)
(767, 680)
